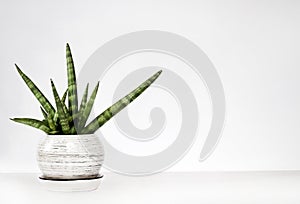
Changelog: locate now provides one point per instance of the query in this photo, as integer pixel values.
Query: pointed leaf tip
(118, 106)
(36, 92)
(18, 69)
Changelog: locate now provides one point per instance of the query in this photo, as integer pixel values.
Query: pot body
(70, 156)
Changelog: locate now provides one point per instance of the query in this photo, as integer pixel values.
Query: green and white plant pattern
(72, 119)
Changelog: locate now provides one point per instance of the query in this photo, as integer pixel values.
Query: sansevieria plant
(68, 117)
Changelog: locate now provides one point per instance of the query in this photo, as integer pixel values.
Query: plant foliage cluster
(68, 117)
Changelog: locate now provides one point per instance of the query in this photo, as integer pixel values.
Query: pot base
(71, 185)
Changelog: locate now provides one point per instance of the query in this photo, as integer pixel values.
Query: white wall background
(254, 46)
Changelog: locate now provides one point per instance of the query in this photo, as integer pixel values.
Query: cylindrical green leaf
(60, 111)
(37, 93)
(33, 123)
(72, 86)
(86, 112)
(118, 106)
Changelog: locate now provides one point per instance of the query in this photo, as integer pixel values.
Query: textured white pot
(70, 156)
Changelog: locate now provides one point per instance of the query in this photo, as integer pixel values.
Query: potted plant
(71, 150)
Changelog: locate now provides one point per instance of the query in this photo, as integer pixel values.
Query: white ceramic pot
(70, 156)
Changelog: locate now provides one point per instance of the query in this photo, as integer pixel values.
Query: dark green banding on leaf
(84, 100)
(52, 122)
(63, 99)
(55, 117)
(71, 117)
(72, 86)
(60, 110)
(45, 122)
(33, 123)
(37, 93)
(48, 119)
(86, 112)
(66, 110)
(44, 113)
(118, 106)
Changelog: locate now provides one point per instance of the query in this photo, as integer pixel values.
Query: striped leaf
(55, 117)
(66, 110)
(33, 123)
(86, 112)
(45, 122)
(37, 93)
(52, 121)
(44, 113)
(46, 118)
(118, 106)
(84, 100)
(72, 86)
(60, 111)
(63, 99)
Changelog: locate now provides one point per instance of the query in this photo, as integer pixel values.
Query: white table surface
(195, 187)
